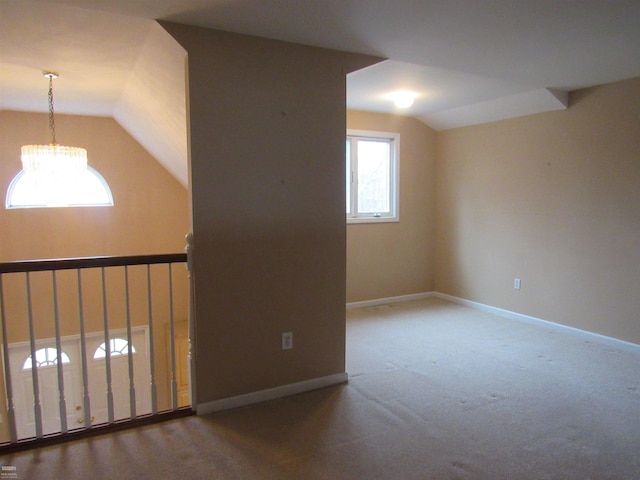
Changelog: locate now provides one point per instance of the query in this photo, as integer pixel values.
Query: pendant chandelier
(53, 158)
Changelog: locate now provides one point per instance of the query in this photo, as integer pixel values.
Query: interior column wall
(267, 125)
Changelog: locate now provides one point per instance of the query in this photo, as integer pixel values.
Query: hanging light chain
(52, 123)
(53, 159)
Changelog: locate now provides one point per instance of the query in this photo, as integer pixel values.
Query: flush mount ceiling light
(402, 98)
(53, 158)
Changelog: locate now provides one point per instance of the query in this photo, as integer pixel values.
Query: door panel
(48, 388)
(73, 390)
(119, 380)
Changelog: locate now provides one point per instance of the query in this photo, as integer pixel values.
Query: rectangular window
(372, 176)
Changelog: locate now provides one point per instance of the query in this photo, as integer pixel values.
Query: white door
(46, 360)
(120, 382)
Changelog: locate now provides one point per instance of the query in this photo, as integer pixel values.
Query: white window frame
(118, 347)
(393, 215)
(51, 358)
(37, 200)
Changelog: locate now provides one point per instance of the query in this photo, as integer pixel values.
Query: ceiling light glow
(402, 98)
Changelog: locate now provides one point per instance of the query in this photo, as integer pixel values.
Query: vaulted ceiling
(468, 61)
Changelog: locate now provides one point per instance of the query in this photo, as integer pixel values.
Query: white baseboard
(271, 393)
(320, 382)
(595, 337)
(384, 301)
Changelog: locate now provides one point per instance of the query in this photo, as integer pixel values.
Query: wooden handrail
(89, 262)
(19, 434)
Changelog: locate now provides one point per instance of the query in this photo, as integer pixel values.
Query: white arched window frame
(46, 357)
(33, 190)
(117, 347)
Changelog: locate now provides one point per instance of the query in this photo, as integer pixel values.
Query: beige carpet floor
(436, 391)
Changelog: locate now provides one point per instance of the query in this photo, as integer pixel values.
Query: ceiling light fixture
(53, 158)
(402, 98)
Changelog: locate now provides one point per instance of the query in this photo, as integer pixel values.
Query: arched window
(46, 357)
(34, 190)
(117, 347)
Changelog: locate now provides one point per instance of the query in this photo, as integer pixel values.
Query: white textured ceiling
(470, 61)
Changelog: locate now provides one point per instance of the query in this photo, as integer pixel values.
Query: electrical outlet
(516, 283)
(287, 340)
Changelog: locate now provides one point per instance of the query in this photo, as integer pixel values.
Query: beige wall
(150, 212)
(267, 123)
(553, 199)
(391, 259)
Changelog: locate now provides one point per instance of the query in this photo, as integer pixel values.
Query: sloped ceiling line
(152, 107)
(471, 62)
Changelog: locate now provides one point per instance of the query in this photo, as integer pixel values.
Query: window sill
(352, 221)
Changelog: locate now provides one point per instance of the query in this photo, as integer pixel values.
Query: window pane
(41, 190)
(45, 357)
(373, 176)
(117, 347)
